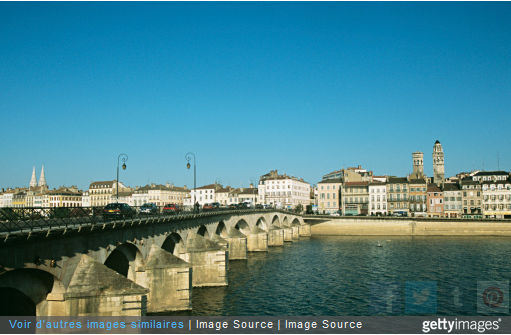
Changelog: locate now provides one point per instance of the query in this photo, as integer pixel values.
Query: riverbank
(412, 226)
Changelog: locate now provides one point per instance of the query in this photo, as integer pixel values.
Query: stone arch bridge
(133, 266)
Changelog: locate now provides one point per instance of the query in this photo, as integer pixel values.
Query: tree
(298, 208)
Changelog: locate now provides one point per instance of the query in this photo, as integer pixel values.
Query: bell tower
(418, 164)
(438, 164)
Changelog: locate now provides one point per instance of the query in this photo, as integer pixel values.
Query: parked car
(171, 209)
(118, 211)
(148, 208)
(233, 206)
(215, 205)
(242, 205)
(207, 207)
(259, 206)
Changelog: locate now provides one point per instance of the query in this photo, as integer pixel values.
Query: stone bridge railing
(133, 265)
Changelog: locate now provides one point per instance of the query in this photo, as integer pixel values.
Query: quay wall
(411, 226)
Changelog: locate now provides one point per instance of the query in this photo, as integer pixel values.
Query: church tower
(42, 179)
(33, 181)
(438, 164)
(418, 164)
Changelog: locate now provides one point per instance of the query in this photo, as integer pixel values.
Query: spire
(42, 180)
(33, 181)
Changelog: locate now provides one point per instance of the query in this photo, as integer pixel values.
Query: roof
(491, 173)
(434, 188)
(397, 180)
(417, 181)
(356, 183)
(451, 187)
(331, 181)
(162, 188)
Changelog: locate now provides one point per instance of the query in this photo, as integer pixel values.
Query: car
(233, 206)
(242, 205)
(259, 206)
(148, 208)
(171, 209)
(207, 207)
(215, 205)
(118, 211)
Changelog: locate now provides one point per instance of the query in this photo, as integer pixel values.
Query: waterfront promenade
(385, 226)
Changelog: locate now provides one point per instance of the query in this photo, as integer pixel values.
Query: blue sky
(306, 88)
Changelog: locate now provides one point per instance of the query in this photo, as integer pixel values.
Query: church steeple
(33, 181)
(42, 180)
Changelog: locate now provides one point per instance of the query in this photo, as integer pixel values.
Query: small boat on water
(379, 245)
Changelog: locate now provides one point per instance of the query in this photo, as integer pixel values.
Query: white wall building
(283, 190)
(377, 198)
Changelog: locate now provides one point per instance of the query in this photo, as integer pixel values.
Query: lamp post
(252, 181)
(124, 159)
(188, 157)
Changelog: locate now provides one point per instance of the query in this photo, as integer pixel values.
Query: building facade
(283, 191)
(329, 196)
(377, 198)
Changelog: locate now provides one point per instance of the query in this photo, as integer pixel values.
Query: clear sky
(306, 88)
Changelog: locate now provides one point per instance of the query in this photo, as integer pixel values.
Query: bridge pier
(257, 240)
(209, 261)
(288, 234)
(305, 230)
(275, 237)
(296, 233)
(96, 290)
(237, 244)
(169, 280)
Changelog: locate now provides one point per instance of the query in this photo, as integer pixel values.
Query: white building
(283, 190)
(377, 198)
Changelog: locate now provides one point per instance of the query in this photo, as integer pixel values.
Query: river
(351, 275)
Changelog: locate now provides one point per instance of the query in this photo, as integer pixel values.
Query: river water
(351, 275)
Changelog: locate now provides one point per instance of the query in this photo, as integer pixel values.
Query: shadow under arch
(221, 230)
(285, 223)
(203, 231)
(23, 292)
(174, 244)
(243, 227)
(261, 223)
(124, 260)
(275, 222)
(295, 222)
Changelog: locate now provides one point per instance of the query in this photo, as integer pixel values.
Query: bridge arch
(125, 259)
(221, 230)
(24, 291)
(296, 222)
(285, 223)
(275, 221)
(261, 223)
(243, 227)
(174, 244)
(203, 231)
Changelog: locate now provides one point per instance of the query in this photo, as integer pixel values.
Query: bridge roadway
(130, 266)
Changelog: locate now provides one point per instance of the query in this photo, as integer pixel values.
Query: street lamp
(124, 159)
(188, 157)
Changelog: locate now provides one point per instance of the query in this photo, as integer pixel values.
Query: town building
(65, 197)
(102, 193)
(397, 195)
(496, 192)
(329, 195)
(283, 191)
(435, 202)
(377, 198)
(355, 198)
(160, 195)
(453, 200)
(471, 193)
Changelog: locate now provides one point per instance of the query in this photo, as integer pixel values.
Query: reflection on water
(333, 275)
